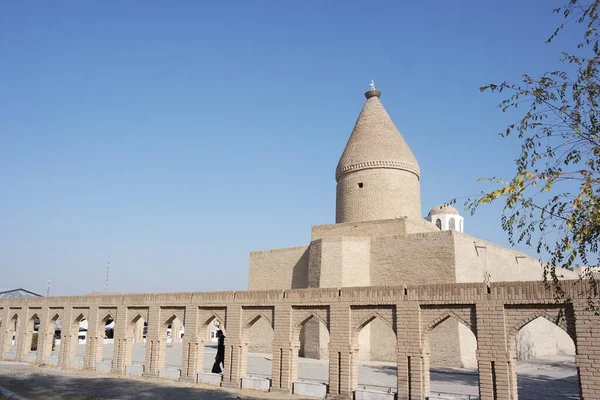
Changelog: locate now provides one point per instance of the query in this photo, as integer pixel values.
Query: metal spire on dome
(373, 92)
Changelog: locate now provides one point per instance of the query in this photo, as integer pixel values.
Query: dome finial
(372, 91)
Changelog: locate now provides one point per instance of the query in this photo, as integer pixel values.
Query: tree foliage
(553, 200)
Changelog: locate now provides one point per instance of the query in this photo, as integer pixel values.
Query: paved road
(550, 378)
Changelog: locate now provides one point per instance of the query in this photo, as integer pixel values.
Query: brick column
(343, 356)
(191, 345)
(281, 373)
(493, 360)
(153, 360)
(93, 351)
(587, 358)
(411, 356)
(43, 347)
(21, 335)
(3, 332)
(130, 338)
(294, 350)
(66, 335)
(8, 331)
(120, 340)
(236, 352)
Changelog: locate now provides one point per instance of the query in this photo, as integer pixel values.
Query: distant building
(17, 293)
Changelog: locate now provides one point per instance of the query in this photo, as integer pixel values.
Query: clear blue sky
(176, 137)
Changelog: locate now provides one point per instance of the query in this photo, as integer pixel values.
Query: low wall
(495, 315)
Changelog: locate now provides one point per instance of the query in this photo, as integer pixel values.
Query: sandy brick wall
(415, 259)
(279, 269)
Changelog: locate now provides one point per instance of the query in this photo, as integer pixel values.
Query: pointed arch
(452, 224)
(168, 315)
(136, 318)
(370, 318)
(214, 317)
(80, 317)
(533, 316)
(31, 322)
(305, 319)
(169, 321)
(254, 319)
(446, 315)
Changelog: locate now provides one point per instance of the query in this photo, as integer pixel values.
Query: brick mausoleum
(381, 238)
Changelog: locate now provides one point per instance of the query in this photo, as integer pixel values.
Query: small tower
(446, 218)
(377, 175)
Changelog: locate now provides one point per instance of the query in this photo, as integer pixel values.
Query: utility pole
(106, 281)
(48, 288)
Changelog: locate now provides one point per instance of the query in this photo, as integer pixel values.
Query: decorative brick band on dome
(379, 164)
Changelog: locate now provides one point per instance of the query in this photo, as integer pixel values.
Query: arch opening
(541, 344)
(210, 328)
(106, 335)
(171, 338)
(56, 326)
(137, 331)
(452, 224)
(450, 343)
(312, 327)
(33, 328)
(258, 339)
(373, 342)
(11, 337)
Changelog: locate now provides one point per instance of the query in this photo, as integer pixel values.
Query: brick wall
(279, 269)
(495, 314)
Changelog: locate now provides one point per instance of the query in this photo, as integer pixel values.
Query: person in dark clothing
(220, 357)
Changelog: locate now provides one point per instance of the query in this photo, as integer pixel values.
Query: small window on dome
(438, 223)
(452, 224)
(360, 185)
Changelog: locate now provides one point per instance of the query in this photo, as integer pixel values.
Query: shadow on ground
(51, 387)
(531, 387)
(546, 387)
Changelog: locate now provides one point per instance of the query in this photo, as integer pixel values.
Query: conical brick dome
(378, 174)
(375, 142)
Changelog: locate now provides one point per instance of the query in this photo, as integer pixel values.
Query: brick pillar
(22, 336)
(152, 362)
(236, 352)
(8, 331)
(413, 376)
(293, 351)
(493, 359)
(93, 352)
(130, 329)
(43, 349)
(281, 373)
(66, 335)
(4, 332)
(587, 358)
(120, 340)
(342, 354)
(48, 336)
(191, 345)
